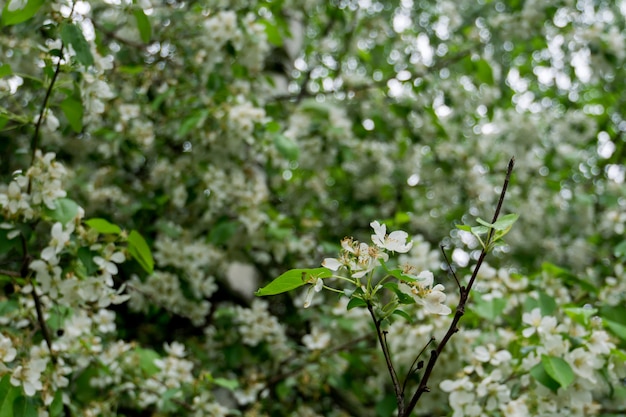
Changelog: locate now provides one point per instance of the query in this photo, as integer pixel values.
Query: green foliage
(293, 279)
(140, 251)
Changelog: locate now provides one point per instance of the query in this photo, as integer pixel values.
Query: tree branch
(460, 309)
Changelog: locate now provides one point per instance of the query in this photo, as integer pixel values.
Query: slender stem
(460, 309)
(450, 267)
(411, 370)
(392, 371)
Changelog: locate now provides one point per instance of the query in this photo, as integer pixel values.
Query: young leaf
(505, 222)
(139, 249)
(558, 369)
(291, 280)
(356, 302)
(404, 314)
(103, 226)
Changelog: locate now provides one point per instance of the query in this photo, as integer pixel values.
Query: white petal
(332, 264)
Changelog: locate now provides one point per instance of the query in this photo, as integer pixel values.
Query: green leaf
(20, 15)
(103, 226)
(355, 302)
(287, 147)
(139, 249)
(484, 72)
(86, 255)
(8, 393)
(291, 280)
(404, 314)
(56, 408)
(230, 384)
(547, 304)
(580, 315)
(272, 31)
(503, 223)
(617, 328)
(539, 373)
(73, 110)
(506, 222)
(620, 250)
(64, 211)
(143, 24)
(73, 35)
(5, 70)
(223, 232)
(558, 369)
(24, 407)
(146, 361)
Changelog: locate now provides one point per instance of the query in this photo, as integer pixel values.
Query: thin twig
(8, 273)
(460, 309)
(411, 371)
(392, 371)
(450, 267)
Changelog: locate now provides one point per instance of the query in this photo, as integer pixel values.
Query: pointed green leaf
(404, 314)
(5, 69)
(73, 111)
(139, 249)
(24, 407)
(464, 227)
(13, 17)
(146, 361)
(355, 303)
(73, 35)
(287, 147)
(580, 315)
(103, 226)
(547, 304)
(291, 280)
(56, 408)
(143, 24)
(539, 373)
(230, 384)
(64, 210)
(8, 393)
(617, 328)
(505, 222)
(558, 369)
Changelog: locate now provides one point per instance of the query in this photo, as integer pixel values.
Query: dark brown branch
(460, 309)
(392, 371)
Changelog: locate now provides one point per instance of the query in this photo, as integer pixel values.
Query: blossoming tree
(164, 159)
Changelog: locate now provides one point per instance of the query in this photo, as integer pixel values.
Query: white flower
(7, 351)
(395, 241)
(57, 243)
(431, 298)
(584, 363)
(108, 264)
(317, 340)
(319, 284)
(29, 376)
